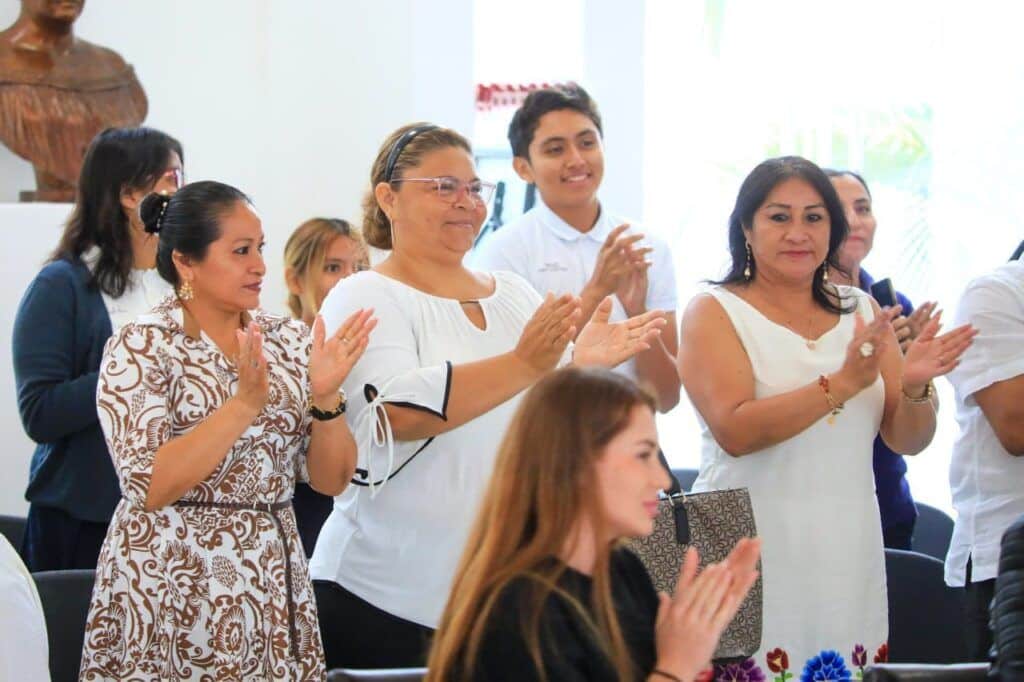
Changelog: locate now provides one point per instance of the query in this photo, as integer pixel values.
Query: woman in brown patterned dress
(211, 412)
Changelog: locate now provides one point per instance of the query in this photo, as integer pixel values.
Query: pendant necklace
(809, 342)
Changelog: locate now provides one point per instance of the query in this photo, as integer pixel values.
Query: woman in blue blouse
(100, 276)
(895, 503)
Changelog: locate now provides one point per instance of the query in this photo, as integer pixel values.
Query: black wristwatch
(323, 415)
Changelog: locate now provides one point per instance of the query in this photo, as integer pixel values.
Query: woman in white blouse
(101, 275)
(432, 396)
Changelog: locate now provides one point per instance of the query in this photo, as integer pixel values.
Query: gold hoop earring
(750, 259)
(185, 291)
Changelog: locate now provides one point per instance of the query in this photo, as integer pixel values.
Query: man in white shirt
(570, 242)
(987, 469)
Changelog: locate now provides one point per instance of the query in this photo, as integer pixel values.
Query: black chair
(932, 532)
(389, 675)
(65, 596)
(925, 616)
(902, 672)
(13, 528)
(1007, 611)
(686, 478)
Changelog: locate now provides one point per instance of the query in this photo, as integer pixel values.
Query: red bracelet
(835, 406)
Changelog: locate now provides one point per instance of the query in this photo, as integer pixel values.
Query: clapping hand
(864, 352)
(253, 384)
(632, 291)
(548, 332)
(331, 359)
(607, 344)
(619, 256)
(930, 356)
(691, 621)
(909, 328)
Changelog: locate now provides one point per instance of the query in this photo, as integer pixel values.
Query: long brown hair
(304, 255)
(544, 482)
(376, 226)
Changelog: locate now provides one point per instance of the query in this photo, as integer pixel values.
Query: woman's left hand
(930, 356)
(330, 360)
(607, 344)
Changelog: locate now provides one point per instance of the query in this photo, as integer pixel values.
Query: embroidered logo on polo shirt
(552, 267)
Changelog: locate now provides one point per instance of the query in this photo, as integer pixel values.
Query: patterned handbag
(713, 522)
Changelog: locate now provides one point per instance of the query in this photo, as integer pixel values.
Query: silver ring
(867, 349)
(346, 340)
(255, 364)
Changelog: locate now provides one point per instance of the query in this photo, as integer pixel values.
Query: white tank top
(813, 495)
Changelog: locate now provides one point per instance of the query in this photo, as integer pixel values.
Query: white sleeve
(389, 372)
(391, 361)
(997, 312)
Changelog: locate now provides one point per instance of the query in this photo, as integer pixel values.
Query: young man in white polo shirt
(987, 469)
(570, 242)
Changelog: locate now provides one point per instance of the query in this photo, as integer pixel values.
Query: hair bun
(151, 211)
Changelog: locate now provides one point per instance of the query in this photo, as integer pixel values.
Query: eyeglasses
(450, 189)
(177, 175)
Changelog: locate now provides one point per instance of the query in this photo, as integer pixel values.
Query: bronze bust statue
(57, 92)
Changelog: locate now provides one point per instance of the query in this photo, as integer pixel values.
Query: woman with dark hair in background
(895, 503)
(212, 409)
(100, 276)
(545, 590)
(792, 376)
(319, 253)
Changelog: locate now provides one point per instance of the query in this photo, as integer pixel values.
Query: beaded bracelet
(929, 389)
(834, 405)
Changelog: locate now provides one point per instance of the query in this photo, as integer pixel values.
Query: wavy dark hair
(187, 221)
(753, 192)
(526, 120)
(118, 159)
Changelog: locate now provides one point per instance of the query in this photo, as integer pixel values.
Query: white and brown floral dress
(196, 591)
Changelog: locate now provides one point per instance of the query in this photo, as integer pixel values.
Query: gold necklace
(811, 344)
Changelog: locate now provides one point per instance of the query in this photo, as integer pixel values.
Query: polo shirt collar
(566, 232)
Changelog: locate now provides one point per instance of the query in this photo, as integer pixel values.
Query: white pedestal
(30, 233)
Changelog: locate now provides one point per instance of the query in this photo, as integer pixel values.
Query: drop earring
(824, 272)
(185, 292)
(750, 258)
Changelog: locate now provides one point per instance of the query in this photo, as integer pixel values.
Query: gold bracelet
(834, 405)
(929, 391)
(327, 415)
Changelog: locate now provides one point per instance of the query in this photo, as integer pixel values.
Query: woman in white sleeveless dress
(792, 378)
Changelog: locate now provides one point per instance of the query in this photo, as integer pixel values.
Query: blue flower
(827, 665)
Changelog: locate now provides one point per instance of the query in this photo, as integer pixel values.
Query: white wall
(613, 44)
(288, 100)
